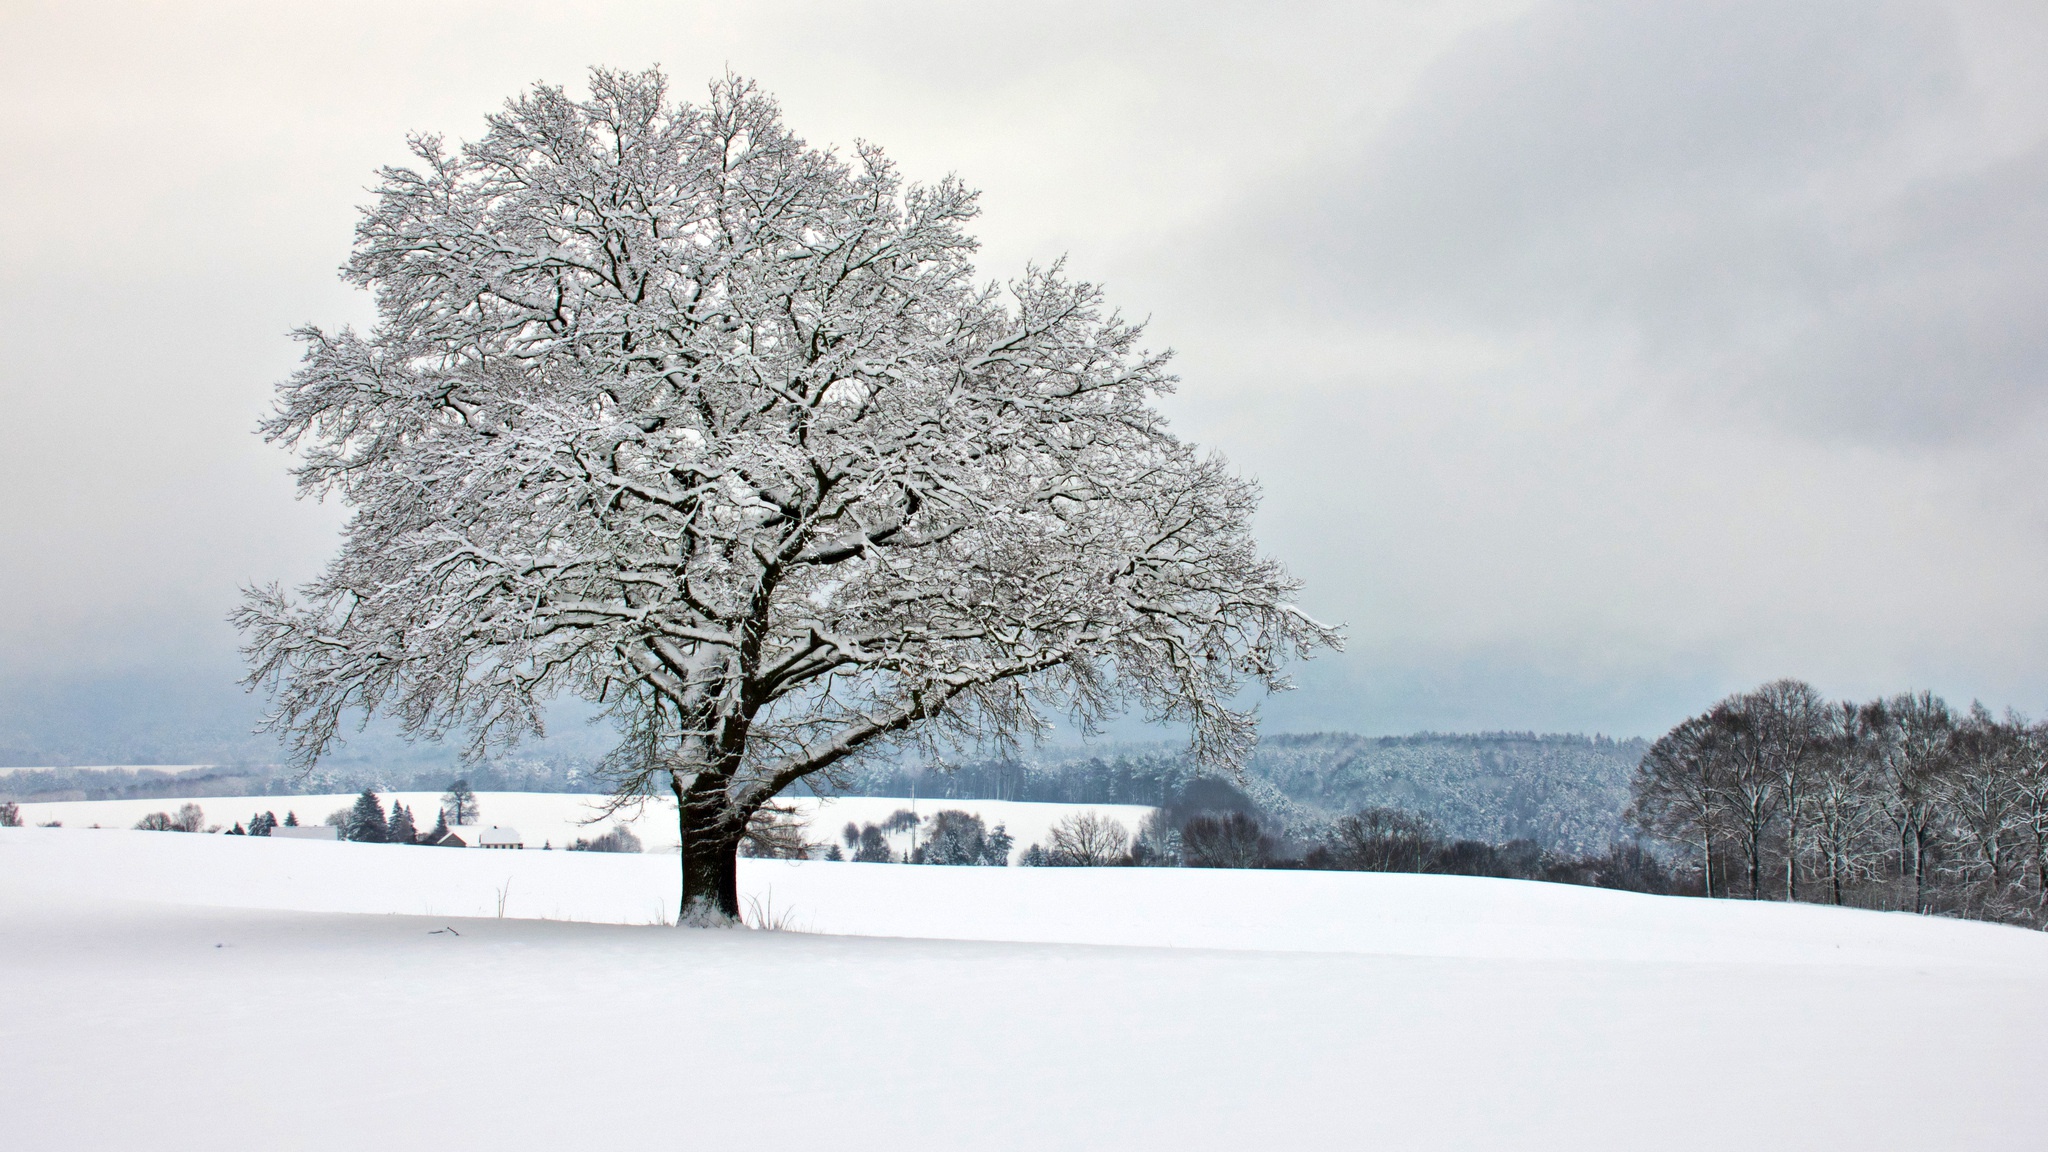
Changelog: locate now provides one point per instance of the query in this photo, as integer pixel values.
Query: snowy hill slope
(558, 818)
(179, 991)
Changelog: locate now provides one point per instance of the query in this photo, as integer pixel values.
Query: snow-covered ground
(549, 819)
(184, 991)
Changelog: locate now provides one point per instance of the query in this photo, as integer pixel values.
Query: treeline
(59, 784)
(1898, 803)
(1566, 793)
(1211, 823)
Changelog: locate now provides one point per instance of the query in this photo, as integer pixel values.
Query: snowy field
(549, 819)
(187, 991)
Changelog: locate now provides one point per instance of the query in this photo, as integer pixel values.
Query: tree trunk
(1707, 866)
(1919, 868)
(711, 891)
(710, 855)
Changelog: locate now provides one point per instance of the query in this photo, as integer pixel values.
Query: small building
(306, 832)
(496, 837)
(446, 839)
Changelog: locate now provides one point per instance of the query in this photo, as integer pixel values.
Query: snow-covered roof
(493, 837)
(306, 832)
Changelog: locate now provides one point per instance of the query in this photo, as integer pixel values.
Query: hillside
(227, 990)
(1565, 792)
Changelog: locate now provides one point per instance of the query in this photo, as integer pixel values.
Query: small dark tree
(190, 818)
(291, 819)
(874, 847)
(366, 820)
(1380, 840)
(1231, 840)
(460, 804)
(10, 815)
(954, 838)
(156, 822)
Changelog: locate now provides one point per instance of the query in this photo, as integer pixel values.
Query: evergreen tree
(401, 829)
(291, 819)
(440, 831)
(237, 831)
(995, 849)
(366, 821)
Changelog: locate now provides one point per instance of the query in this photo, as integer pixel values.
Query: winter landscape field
(891, 575)
(193, 991)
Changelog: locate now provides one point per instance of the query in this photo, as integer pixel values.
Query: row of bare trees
(1902, 802)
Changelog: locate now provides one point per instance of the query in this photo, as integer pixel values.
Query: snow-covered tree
(667, 409)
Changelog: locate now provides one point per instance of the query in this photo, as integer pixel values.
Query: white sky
(1597, 359)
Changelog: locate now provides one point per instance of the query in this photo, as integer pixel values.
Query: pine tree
(366, 821)
(291, 819)
(401, 829)
(995, 849)
(440, 831)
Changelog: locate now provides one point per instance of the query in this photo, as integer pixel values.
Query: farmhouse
(496, 837)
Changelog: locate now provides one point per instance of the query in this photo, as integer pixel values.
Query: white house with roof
(493, 837)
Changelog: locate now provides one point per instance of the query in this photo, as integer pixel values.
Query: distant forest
(1566, 793)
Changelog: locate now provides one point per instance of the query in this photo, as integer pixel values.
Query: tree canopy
(669, 410)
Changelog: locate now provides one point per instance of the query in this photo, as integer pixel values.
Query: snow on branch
(669, 410)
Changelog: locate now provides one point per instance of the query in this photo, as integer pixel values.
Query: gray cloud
(1595, 358)
(1799, 208)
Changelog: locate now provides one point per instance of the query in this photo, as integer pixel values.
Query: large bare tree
(668, 410)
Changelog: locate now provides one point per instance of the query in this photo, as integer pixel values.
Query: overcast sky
(1596, 359)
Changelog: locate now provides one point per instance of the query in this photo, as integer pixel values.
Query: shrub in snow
(956, 837)
(189, 819)
(1228, 840)
(620, 839)
(10, 815)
